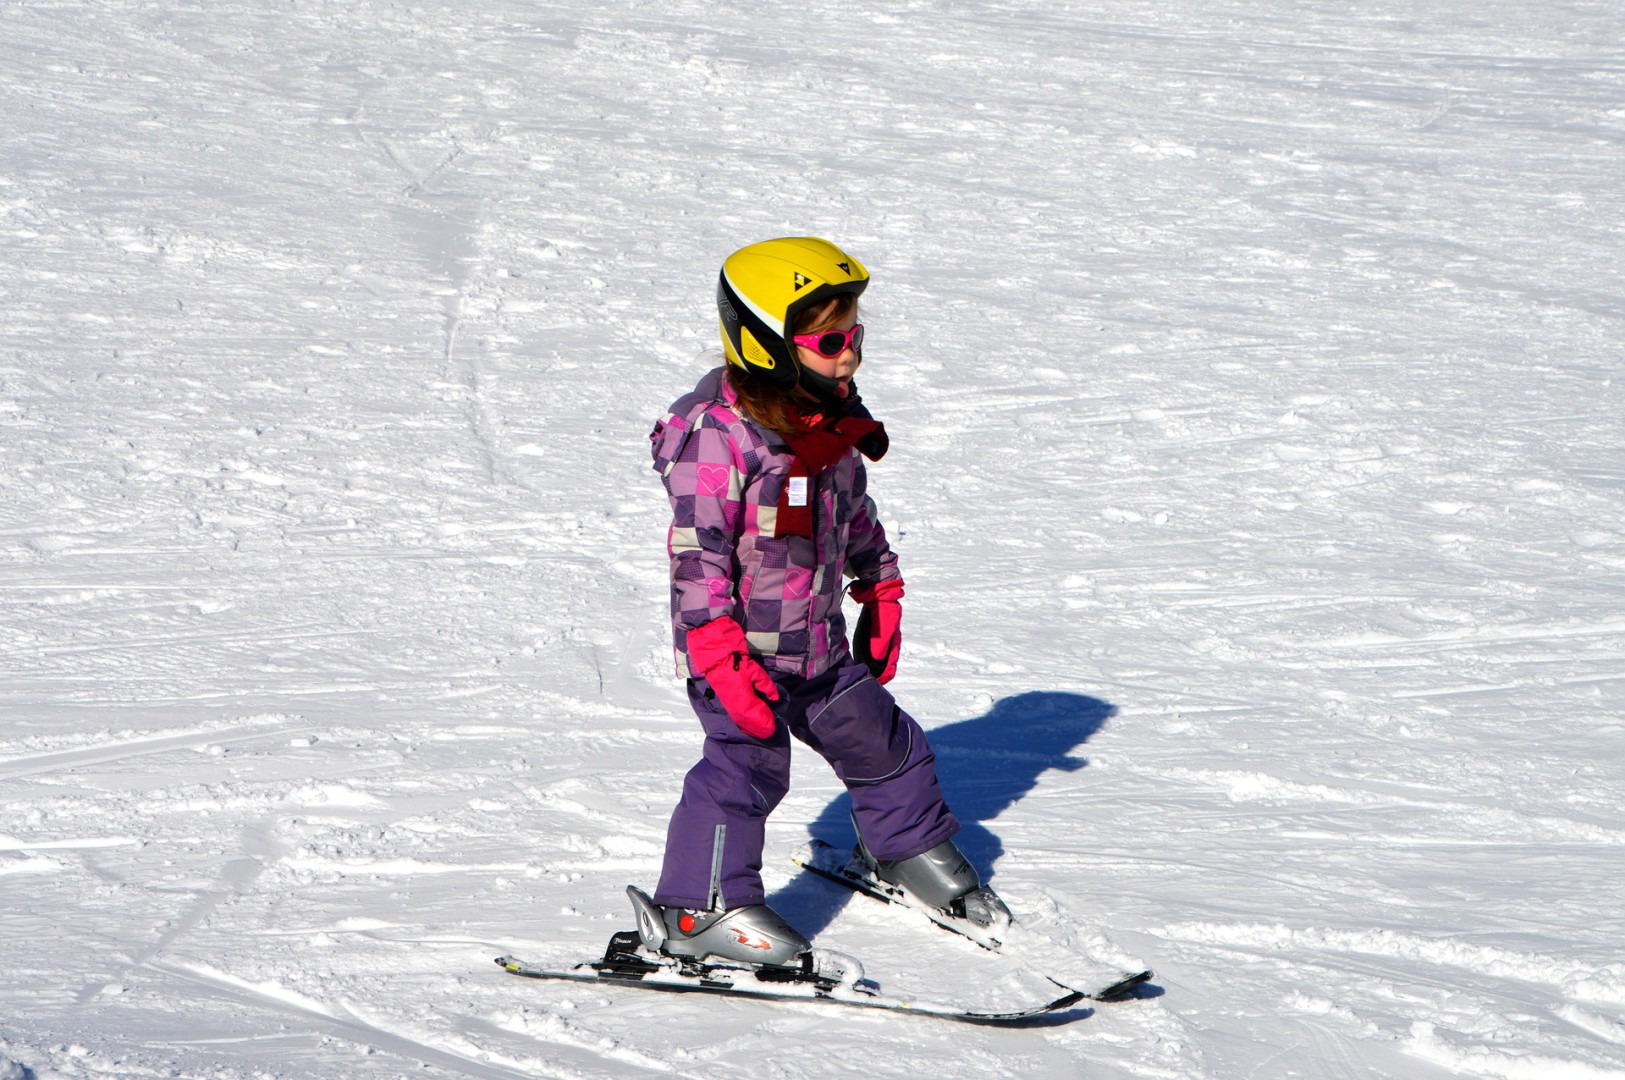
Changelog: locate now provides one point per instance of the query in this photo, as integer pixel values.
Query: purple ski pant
(876, 749)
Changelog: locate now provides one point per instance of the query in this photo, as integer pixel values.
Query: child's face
(841, 367)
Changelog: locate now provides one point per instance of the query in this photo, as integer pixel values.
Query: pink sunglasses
(832, 343)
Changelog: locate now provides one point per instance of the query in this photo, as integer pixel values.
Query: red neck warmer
(823, 442)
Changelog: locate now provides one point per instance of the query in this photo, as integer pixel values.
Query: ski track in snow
(1254, 384)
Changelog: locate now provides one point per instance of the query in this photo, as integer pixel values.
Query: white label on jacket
(798, 491)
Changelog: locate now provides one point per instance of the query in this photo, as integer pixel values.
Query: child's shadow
(986, 764)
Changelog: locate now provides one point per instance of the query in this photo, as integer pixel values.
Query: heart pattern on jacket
(711, 480)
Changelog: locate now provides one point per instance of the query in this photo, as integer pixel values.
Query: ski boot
(754, 935)
(944, 879)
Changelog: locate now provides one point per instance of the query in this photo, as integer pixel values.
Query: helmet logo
(802, 281)
(846, 268)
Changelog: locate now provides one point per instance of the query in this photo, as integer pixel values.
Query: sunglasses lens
(835, 342)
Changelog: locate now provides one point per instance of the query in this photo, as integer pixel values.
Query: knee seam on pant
(908, 753)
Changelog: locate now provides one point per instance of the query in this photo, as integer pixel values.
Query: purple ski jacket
(724, 475)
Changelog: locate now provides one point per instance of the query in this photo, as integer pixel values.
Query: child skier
(763, 463)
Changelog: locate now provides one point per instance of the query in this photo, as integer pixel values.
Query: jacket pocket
(750, 568)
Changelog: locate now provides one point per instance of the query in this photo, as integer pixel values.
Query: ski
(834, 864)
(825, 978)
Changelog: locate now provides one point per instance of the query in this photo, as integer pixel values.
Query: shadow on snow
(986, 765)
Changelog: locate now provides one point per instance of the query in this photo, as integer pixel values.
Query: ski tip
(1066, 1001)
(1039, 1014)
(1123, 989)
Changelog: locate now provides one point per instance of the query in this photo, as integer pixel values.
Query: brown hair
(773, 405)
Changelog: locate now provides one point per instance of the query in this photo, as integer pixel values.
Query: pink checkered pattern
(724, 476)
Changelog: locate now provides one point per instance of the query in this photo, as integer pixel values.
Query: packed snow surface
(1253, 373)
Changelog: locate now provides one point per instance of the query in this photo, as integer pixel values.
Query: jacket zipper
(818, 567)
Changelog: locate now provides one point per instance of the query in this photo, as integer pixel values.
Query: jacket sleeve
(869, 557)
(705, 483)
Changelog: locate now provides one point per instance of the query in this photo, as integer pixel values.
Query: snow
(1252, 373)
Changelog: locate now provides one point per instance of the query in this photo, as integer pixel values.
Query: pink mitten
(877, 640)
(720, 653)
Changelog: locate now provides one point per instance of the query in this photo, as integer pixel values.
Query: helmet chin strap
(826, 390)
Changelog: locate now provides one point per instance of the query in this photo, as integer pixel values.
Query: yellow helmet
(763, 289)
